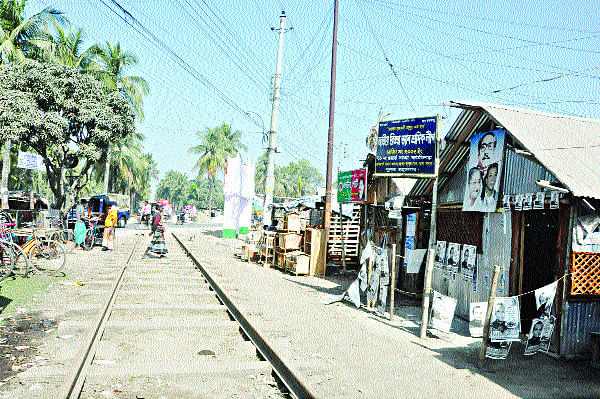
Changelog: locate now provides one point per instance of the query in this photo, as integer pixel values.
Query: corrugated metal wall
(496, 250)
(520, 177)
(582, 318)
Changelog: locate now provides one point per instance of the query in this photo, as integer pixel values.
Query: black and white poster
(440, 254)
(477, 312)
(506, 203)
(527, 201)
(453, 257)
(540, 335)
(505, 323)
(498, 350)
(519, 202)
(544, 298)
(554, 198)
(442, 312)
(373, 286)
(538, 202)
(468, 260)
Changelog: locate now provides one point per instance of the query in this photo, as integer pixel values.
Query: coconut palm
(65, 47)
(109, 66)
(216, 145)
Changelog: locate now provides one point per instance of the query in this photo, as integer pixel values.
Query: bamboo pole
(488, 315)
(393, 282)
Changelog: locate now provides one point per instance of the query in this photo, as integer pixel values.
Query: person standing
(109, 228)
(146, 211)
(80, 228)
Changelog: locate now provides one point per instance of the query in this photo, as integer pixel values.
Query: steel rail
(72, 387)
(298, 388)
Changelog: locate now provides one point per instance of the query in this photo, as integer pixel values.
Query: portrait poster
(506, 202)
(440, 254)
(505, 323)
(497, 350)
(484, 171)
(442, 312)
(554, 198)
(453, 258)
(540, 335)
(373, 286)
(352, 186)
(544, 298)
(527, 201)
(477, 312)
(382, 263)
(538, 202)
(519, 202)
(467, 261)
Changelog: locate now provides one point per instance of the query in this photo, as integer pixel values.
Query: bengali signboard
(28, 160)
(352, 186)
(406, 147)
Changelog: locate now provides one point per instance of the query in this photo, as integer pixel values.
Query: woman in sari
(157, 245)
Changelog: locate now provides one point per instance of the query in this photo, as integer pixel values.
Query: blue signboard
(406, 147)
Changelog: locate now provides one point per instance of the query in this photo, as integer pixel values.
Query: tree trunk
(210, 198)
(107, 170)
(5, 172)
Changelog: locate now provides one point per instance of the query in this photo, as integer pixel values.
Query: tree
(199, 192)
(215, 146)
(174, 188)
(17, 36)
(293, 180)
(64, 116)
(109, 67)
(65, 48)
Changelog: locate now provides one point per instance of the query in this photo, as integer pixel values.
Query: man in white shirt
(146, 213)
(489, 195)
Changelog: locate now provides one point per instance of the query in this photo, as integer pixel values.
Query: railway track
(166, 329)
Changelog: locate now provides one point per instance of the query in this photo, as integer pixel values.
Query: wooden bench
(595, 339)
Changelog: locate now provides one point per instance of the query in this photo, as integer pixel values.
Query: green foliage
(293, 180)
(199, 192)
(174, 188)
(57, 111)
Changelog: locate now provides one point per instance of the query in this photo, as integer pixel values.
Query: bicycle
(45, 255)
(14, 260)
(64, 236)
(90, 235)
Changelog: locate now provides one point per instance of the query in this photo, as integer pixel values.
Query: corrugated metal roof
(567, 146)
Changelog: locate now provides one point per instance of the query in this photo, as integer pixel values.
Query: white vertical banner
(231, 192)
(246, 198)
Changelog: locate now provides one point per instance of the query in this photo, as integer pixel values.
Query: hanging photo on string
(527, 201)
(519, 202)
(538, 203)
(373, 286)
(453, 257)
(442, 312)
(544, 298)
(554, 198)
(505, 323)
(498, 350)
(506, 203)
(540, 335)
(440, 254)
(477, 311)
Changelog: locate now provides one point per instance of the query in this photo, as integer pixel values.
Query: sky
(208, 62)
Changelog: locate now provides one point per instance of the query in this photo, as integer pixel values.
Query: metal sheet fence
(582, 319)
(496, 250)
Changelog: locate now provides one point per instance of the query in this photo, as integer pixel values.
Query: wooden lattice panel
(585, 274)
(453, 225)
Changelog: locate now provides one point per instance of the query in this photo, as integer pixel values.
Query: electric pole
(270, 179)
(327, 221)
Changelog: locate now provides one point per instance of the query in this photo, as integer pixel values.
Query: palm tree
(65, 48)
(109, 67)
(17, 34)
(216, 144)
(174, 188)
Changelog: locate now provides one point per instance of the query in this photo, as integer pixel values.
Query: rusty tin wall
(582, 319)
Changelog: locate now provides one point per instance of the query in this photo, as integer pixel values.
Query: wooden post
(488, 315)
(393, 282)
(369, 272)
(342, 238)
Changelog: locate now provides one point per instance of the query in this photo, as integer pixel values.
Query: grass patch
(17, 292)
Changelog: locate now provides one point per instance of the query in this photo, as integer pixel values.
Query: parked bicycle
(92, 234)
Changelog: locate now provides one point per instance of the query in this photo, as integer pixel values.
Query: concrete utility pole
(327, 221)
(270, 180)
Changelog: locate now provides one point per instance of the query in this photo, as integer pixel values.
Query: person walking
(109, 227)
(157, 245)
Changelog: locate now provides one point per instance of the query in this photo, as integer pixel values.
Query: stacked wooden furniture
(266, 247)
(315, 251)
(351, 229)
